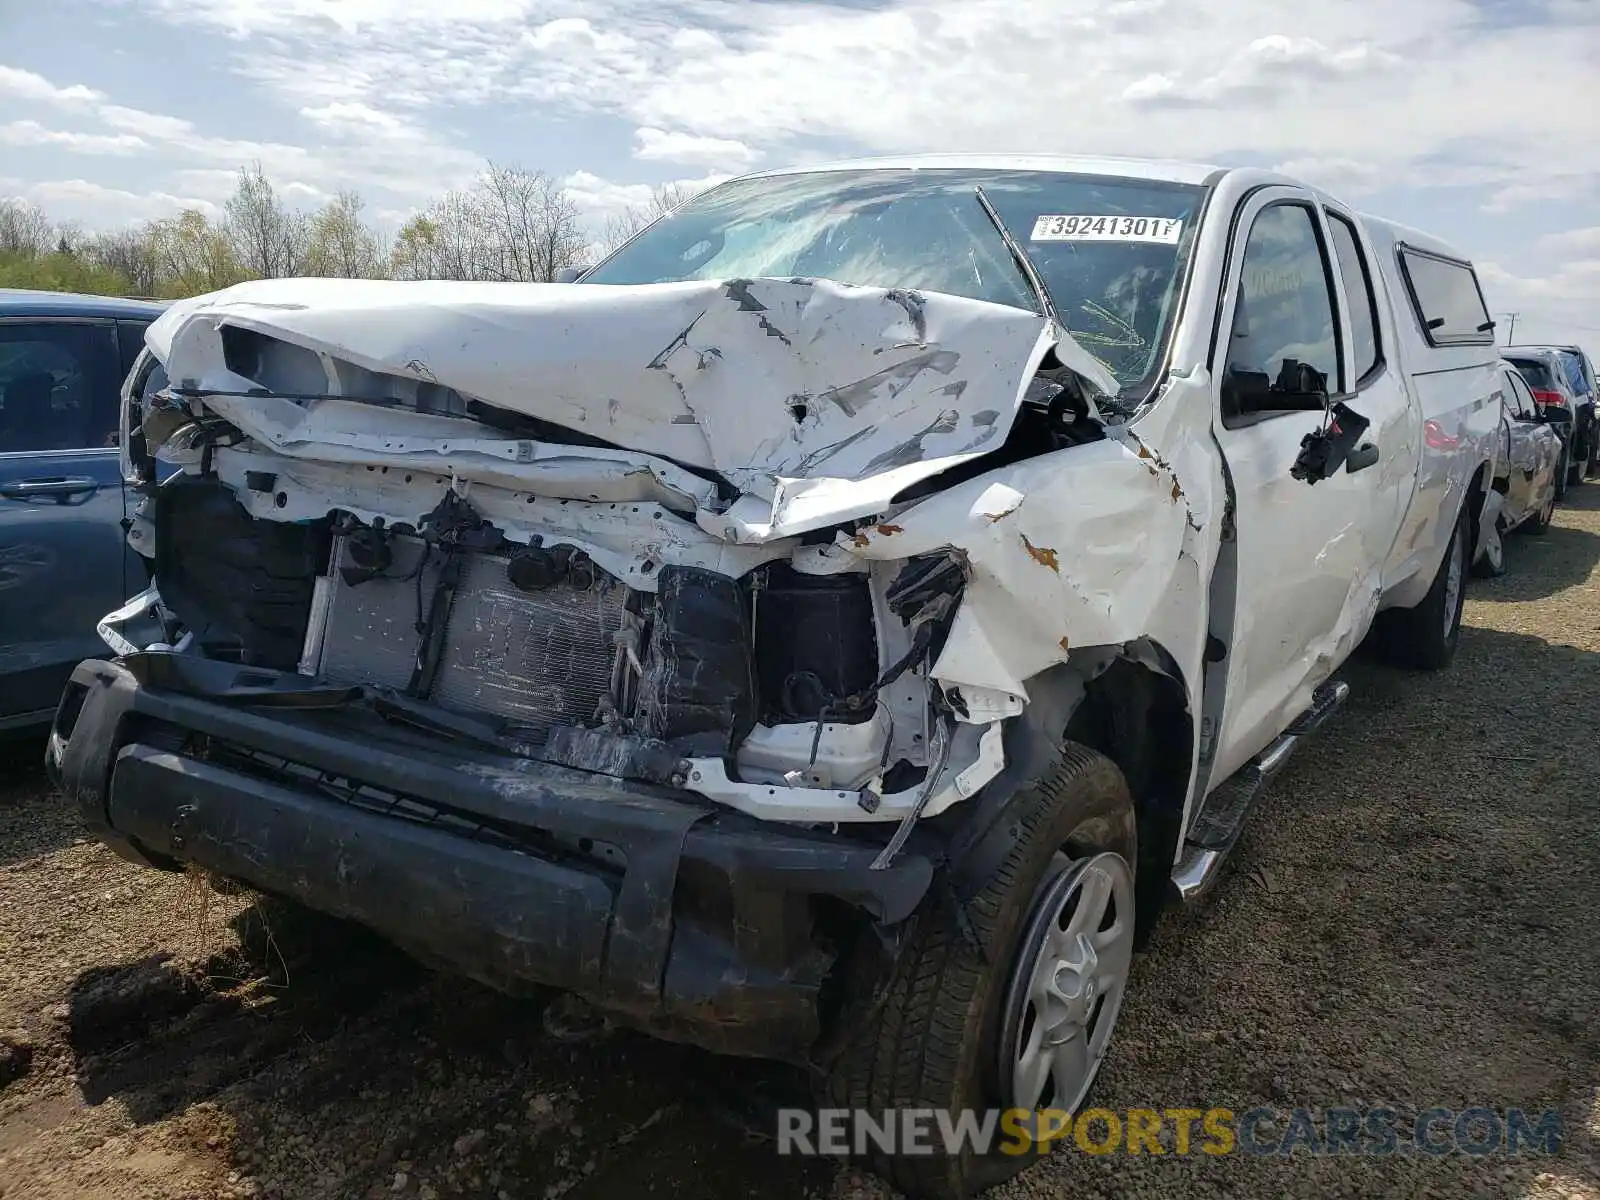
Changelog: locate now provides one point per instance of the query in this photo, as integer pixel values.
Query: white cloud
(660, 145)
(352, 115)
(1584, 243)
(1395, 86)
(1560, 306)
(31, 133)
(1150, 88)
(136, 120)
(1535, 188)
(93, 203)
(1341, 176)
(376, 149)
(25, 85)
(1575, 282)
(599, 198)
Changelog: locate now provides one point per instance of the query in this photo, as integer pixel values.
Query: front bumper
(681, 919)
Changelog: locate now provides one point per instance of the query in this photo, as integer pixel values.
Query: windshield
(1111, 251)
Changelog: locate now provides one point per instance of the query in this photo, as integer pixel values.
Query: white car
(1530, 462)
(825, 632)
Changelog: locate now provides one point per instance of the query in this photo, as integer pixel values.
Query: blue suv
(64, 560)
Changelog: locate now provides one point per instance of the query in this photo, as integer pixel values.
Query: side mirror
(1299, 387)
(1338, 445)
(570, 274)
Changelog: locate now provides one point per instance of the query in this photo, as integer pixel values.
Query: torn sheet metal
(815, 399)
(343, 431)
(1076, 548)
(632, 541)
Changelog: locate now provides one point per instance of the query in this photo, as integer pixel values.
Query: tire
(1576, 461)
(1492, 563)
(1425, 637)
(935, 1041)
(1563, 471)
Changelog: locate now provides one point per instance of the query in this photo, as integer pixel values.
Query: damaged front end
(790, 557)
(722, 620)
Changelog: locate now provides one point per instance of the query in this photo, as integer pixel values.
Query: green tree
(58, 272)
(193, 256)
(341, 244)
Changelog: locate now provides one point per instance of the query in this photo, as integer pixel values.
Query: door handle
(1361, 458)
(59, 487)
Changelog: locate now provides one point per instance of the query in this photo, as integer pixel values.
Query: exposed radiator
(534, 658)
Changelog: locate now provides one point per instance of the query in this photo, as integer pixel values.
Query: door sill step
(1216, 827)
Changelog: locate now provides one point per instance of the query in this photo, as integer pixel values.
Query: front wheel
(1011, 1003)
(1425, 637)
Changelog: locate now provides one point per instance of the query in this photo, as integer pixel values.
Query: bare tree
(511, 225)
(530, 225)
(444, 242)
(24, 229)
(268, 239)
(622, 226)
(340, 243)
(131, 254)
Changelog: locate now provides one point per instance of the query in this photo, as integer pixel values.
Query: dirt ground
(1410, 920)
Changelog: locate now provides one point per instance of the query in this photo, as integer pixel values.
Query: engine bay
(811, 601)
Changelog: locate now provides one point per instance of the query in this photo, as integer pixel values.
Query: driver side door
(1308, 555)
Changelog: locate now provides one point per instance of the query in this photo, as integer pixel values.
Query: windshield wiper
(1047, 308)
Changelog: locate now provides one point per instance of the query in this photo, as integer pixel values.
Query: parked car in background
(1581, 379)
(1546, 378)
(1524, 494)
(828, 630)
(63, 558)
(1546, 375)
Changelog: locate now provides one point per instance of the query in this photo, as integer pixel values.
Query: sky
(1478, 120)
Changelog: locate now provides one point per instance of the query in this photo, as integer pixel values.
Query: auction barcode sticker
(1082, 228)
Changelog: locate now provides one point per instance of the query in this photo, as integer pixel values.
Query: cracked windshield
(1111, 251)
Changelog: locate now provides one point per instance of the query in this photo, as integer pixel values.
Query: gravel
(1410, 920)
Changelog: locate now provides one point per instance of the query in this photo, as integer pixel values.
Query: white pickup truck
(828, 630)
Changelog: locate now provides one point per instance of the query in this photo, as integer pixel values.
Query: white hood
(818, 401)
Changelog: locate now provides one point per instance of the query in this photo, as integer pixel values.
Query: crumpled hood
(817, 400)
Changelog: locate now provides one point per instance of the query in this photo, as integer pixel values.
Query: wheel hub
(1066, 983)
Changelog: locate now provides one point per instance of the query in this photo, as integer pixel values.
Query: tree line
(508, 225)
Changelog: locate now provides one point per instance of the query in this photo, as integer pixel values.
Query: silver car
(1532, 456)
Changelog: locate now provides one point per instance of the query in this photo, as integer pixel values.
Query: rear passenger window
(58, 386)
(1518, 398)
(1284, 312)
(1534, 372)
(1358, 290)
(1447, 299)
